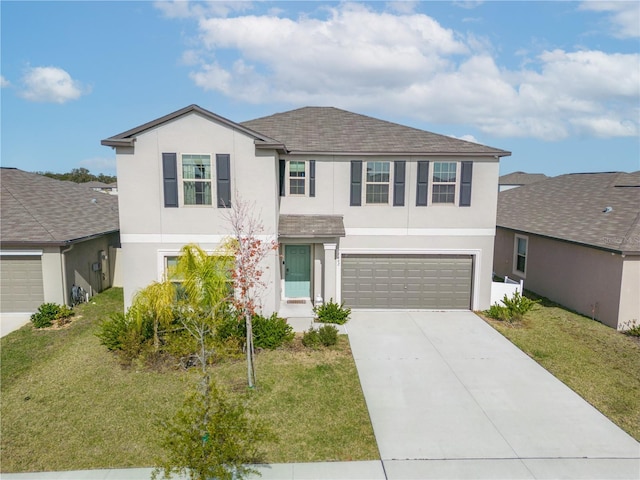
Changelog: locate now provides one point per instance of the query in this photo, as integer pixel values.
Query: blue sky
(556, 83)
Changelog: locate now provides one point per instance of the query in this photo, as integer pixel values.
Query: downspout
(64, 272)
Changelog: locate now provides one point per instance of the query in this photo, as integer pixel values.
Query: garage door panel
(21, 288)
(407, 281)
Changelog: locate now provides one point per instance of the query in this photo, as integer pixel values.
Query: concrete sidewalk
(451, 398)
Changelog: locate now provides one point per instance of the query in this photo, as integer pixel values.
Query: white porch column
(329, 271)
(318, 255)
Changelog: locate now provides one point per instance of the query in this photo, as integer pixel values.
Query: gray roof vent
(607, 210)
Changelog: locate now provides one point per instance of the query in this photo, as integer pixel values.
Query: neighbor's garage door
(407, 281)
(21, 283)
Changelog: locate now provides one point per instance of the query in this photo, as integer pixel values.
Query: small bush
(631, 328)
(310, 338)
(328, 335)
(268, 332)
(128, 333)
(513, 310)
(332, 312)
(46, 314)
(271, 332)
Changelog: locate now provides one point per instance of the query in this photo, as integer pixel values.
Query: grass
(597, 362)
(67, 404)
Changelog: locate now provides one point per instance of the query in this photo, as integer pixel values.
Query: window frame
(433, 183)
(182, 180)
(366, 183)
(289, 178)
(516, 254)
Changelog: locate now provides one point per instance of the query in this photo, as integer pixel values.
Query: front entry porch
(308, 245)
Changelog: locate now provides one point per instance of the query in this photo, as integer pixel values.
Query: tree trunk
(250, 370)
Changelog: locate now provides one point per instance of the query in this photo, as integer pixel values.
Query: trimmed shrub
(46, 314)
(328, 335)
(128, 333)
(513, 310)
(332, 312)
(271, 332)
(268, 332)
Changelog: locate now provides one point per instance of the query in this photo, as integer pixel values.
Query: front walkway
(449, 397)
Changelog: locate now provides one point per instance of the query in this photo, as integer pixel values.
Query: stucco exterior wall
(629, 313)
(147, 227)
(52, 275)
(583, 279)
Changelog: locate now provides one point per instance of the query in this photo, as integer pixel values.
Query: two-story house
(365, 211)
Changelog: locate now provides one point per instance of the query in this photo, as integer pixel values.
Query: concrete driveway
(449, 397)
(10, 322)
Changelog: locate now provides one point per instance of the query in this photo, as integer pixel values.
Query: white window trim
(515, 255)
(364, 183)
(181, 181)
(456, 193)
(288, 179)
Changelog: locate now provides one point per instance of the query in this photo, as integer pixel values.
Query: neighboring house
(518, 179)
(575, 239)
(368, 212)
(54, 234)
(111, 188)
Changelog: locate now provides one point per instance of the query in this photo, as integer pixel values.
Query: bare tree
(250, 249)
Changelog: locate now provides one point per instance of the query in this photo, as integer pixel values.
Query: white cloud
(4, 82)
(50, 84)
(467, 137)
(411, 66)
(624, 16)
(402, 6)
(186, 9)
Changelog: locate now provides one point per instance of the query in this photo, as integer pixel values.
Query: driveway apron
(449, 397)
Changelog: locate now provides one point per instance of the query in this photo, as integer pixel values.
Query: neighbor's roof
(331, 130)
(311, 226)
(35, 210)
(595, 209)
(521, 178)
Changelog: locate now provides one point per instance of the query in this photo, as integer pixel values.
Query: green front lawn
(67, 404)
(599, 363)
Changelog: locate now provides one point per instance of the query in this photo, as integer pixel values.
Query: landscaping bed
(68, 404)
(599, 363)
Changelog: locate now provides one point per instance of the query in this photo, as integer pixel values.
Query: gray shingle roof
(311, 226)
(521, 178)
(572, 207)
(331, 130)
(39, 210)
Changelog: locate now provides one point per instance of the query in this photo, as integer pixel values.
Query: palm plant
(156, 301)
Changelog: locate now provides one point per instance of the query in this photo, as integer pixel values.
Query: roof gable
(596, 209)
(39, 210)
(521, 178)
(331, 130)
(126, 139)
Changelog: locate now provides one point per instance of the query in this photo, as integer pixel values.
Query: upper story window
(520, 255)
(297, 174)
(196, 179)
(377, 180)
(443, 188)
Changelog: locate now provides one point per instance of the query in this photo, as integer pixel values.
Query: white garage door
(407, 281)
(21, 283)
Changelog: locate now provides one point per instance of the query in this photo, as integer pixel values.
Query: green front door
(297, 277)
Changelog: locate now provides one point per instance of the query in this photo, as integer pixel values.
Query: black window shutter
(223, 179)
(465, 184)
(423, 184)
(356, 183)
(282, 185)
(398, 183)
(312, 178)
(170, 179)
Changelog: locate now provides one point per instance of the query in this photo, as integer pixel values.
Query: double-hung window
(443, 188)
(377, 180)
(520, 255)
(196, 179)
(297, 178)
